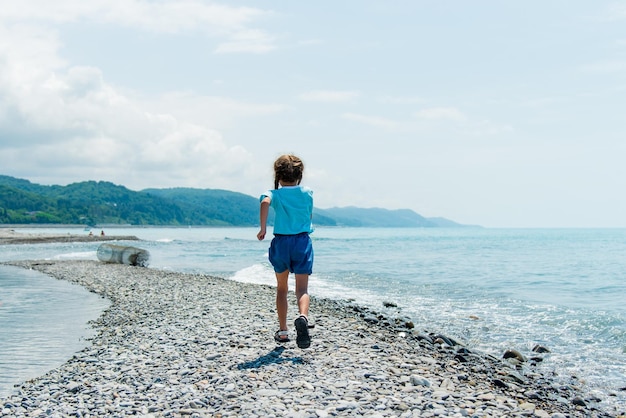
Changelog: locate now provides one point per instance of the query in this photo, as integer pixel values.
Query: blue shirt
(293, 206)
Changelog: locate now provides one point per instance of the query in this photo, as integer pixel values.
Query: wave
(319, 285)
(257, 273)
(77, 255)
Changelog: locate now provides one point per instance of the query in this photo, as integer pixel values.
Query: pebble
(193, 345)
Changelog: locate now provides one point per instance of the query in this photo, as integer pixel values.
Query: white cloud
(223, 21)
(218, 112)
(375, 121)
(446, 119)
(27, 52)
(331, 96)
(606, 67)
(409, 100)
(62, 119)
(616, 11)
(254, 41)
(309, 42)
(441, 113)
(157, 16)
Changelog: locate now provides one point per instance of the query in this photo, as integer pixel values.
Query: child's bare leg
(282, 288)
(302, 293)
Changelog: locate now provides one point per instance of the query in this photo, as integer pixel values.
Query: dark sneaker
(302, 328)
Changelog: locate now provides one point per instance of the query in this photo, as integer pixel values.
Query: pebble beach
(193, 345)
(10, 236)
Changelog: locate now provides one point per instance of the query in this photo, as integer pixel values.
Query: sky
(500, 114)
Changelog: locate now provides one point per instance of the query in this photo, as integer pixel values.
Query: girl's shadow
(273, 357)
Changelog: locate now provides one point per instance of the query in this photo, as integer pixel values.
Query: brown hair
(288, 168)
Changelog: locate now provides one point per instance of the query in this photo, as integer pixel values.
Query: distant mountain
(378, 217)
(92, 202)
(207, 206)
(447, 223)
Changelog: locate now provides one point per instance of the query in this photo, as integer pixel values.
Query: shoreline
(192, 344)
(9, 236)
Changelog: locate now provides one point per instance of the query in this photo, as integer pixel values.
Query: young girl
(291, 249)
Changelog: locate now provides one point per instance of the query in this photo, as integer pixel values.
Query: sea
(490, 289)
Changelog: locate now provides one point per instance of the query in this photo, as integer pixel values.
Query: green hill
(377, 217)
(100, 202)
(212, 207)
(87, 202)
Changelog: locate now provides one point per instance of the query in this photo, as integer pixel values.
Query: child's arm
(265, 208)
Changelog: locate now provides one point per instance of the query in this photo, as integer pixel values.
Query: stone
(175, 344)
(515, 355)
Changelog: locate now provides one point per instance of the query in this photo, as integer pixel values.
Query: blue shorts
(293, 253)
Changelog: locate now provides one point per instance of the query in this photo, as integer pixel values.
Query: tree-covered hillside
(87, 202)
(212, 207)
(100, 202)
(91, 203)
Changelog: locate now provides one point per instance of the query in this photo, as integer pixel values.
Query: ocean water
(43, 322)
(491, 289)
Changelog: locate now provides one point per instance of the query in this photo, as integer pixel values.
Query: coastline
(189, 344)
(11, 236)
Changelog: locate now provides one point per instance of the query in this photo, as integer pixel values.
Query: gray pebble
(192, 345)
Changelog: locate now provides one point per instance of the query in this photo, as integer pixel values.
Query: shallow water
(43, 322)
(561, 288)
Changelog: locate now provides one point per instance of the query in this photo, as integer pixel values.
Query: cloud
(254, 41)
(309, 42)
(331, 96)
(216, 111)
(441, 113)
(410, 100)
(62, 119)
(606, 67)
(436, 121)
(441, 119)
(375, 121)
(160, 16)
(616, 11)
(27, 52)
(222, 21)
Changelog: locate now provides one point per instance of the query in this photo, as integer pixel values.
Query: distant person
(91, 233)
(102, 233)
(291, 250)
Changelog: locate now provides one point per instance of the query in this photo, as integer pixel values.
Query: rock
(516, 377)
(73, 387)
(424, 337)
(417, 380)
(179, 345)
(499, 383)
(461, 358)
(370, 319)
(527, 406)
(540, 349)
(515, 355)
(442, 339)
